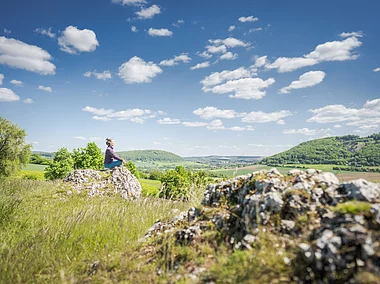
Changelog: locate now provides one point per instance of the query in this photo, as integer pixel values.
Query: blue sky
(191, 77)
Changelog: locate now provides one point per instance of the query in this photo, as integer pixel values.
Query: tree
(132, 168)
(61, 166)
(88, 158)
(14, 152)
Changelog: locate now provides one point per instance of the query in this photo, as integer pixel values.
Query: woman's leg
(113, 164)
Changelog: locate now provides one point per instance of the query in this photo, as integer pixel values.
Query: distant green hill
(150, 156)
(347, 150)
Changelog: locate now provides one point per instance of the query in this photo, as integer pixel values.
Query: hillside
(347, 150)
(150, 156)
(220, 160)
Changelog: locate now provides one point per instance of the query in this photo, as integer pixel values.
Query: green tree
(14, 152)
(61, 166)
(90, 157)
(132, 168)
(38, 160)
(176, 184)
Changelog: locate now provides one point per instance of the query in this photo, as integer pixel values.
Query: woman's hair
(108, 141)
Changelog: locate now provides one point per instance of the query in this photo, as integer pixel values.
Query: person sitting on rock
(111, 160)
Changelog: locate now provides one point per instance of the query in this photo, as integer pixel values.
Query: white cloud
(213, 112)
(204, 54)
(28, 101)
(178, 23)
(18, 54)
(230, 42)
(148, 13)
(337, 126)
(329, 51)
(280, 122)
(7, 95)
(260, 61)
(15, 82)
(246, 88)
(248, 19)
(215, 125)
(231, 28)
(74, 40)
(96, 111)
(201, 65)
(102, 118)
(96, 138)
(229, 56)
(194, 124)
(100, 76)
(220, 77)
(168, 120)
(354, 34)
(7, 32)
(136, 70)
(216, 49)
(307, 79)
(1, 79)
(129, 2)
(159, 32)
(134, 29)
(46, 89)
(262, 117)
(369, 114)
(184, 57)
(255, 30)
(307, 131)
(48, 32)
(376, 69)
(129, 114)
(79, 138)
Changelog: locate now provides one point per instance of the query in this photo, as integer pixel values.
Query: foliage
(39, 160)
(150, 156)
(155, 175)
(352, 207)
(132, 168)
(90, 157)
(14, 153)
(177, 183)
(349, 150)
(62, 165)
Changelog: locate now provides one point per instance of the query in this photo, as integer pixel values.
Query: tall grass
(48, 236)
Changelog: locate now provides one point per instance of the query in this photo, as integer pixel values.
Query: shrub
(88, 158)
(61, 166)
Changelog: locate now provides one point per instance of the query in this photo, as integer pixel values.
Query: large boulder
(118, 181)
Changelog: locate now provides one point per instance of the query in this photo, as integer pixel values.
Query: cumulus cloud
(307, 79)
(148, 13)
(350, 34)
(307, 131)
(46, 89)
(229, 56)
(280, 122)
(216, 49)
(97, 111)
(1, 79)
(376, 69)
(47, 32)
(201, 65)
(14, 82)
(134, 29)
(229, 42)
(101, 118)
(231, 28)
(255, 30)
(194, 124)
(100, 76)
(337, 126)
(184, 57)
(18, 54)
(329, 51)
(204, 54)
(130, 2)
(74, 40)
(28, 101)
(262, 117)
(7, 95)
(248, 19)
(369, 114)
(220, 77)
(7, 32)
(213, 112)
(136, 70)
(179, 22)
(159, 32)
(260, 61)
(168, 120)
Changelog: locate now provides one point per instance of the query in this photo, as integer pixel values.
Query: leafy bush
(155, 175)
(30, 176)
(132, 168)
(90, 157)
(61, 166)
(38, 160)
(14, 153)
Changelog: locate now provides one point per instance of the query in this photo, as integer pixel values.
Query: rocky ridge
(332, 226)
(118, 181)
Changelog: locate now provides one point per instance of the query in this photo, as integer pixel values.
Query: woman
(111, 160)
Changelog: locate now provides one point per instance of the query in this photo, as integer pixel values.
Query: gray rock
(326, 178)
(362, 190)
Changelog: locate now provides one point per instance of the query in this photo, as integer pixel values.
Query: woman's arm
(113, 155)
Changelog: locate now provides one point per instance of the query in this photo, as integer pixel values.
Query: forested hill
(345, 150)
(150, 156)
